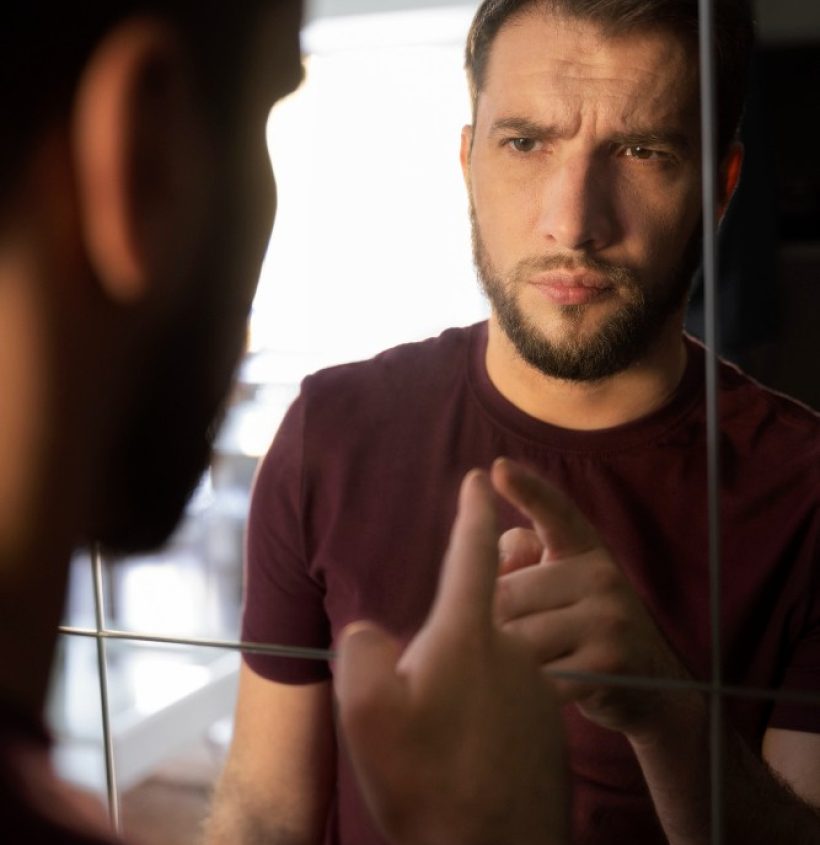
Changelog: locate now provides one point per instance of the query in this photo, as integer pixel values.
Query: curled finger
(517, 549)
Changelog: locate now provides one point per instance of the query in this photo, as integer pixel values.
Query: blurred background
(371, 248)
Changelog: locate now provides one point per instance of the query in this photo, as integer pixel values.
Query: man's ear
(464, 155)
(729, 176)
(139, 158)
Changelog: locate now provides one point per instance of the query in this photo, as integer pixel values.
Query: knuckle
(607, 660)
(613, 662)
(604, 578)
(612, 621)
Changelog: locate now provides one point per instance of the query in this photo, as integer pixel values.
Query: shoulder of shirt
(415, 364)
(762, 423)
(747, 406)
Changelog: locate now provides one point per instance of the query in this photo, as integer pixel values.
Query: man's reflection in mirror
(583, 169)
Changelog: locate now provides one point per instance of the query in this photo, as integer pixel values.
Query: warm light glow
(371, 243)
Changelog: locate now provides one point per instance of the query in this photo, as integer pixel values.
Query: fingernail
(352, 629)
(475, 477)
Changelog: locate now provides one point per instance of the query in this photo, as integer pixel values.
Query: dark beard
(622, 341)
(165, 430)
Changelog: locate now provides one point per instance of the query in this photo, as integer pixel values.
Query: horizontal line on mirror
(255, 648)
(305, 653)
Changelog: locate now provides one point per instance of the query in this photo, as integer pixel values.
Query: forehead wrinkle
(652, 91)
(630, 81)
(568, 111)
(593, 52)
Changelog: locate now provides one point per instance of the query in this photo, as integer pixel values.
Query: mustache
(616, 274)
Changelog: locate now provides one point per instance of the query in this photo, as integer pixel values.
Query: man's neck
(587, 406)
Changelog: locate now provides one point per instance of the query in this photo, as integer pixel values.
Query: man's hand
(561, 592)
(457, 741)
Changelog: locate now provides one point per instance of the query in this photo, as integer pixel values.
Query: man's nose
(578, 206)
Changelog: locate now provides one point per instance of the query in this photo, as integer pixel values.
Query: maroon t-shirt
(353, 505)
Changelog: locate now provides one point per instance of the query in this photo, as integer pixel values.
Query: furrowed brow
(525, 128)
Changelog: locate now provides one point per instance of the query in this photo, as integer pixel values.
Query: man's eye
(642, 153)
(523, 145)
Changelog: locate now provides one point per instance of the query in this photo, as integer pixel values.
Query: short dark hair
(44, 46)
(733, 35)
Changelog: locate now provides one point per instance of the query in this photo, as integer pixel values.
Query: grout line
(102, 666)
(305, 653)
(710, 270)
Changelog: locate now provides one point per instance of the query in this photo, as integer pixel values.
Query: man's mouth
(565, 287)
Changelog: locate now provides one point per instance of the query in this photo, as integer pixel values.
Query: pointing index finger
(559, 524)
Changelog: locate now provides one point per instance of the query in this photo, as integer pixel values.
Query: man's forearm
(233, 820)
(237, 828)
(757, 806)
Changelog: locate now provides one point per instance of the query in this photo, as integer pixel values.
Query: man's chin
(570, 350)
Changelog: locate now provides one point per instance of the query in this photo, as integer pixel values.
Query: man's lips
(568, 288)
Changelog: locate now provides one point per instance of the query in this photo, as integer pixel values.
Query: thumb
(467, 581)
(367, 686)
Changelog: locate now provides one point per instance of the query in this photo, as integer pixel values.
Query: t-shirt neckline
(627, 436)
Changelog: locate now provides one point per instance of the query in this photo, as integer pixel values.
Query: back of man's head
(45, 45)
(135, 187)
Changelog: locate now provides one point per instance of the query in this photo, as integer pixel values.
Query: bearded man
(583, 167)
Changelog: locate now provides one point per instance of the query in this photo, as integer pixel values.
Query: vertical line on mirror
(102, 672)
(710, 269)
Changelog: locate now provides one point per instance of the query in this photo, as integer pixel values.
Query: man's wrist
(680, 719)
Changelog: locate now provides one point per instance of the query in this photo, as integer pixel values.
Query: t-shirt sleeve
(283, 602)
(802, 674)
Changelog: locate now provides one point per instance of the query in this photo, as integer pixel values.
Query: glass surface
(73, 714)
(190, 588)
(362, 183)
(78, 611)
(163, 701)
(371, 245)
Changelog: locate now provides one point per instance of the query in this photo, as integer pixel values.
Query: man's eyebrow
(677, 141)
(524, 127)
(670, 139)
